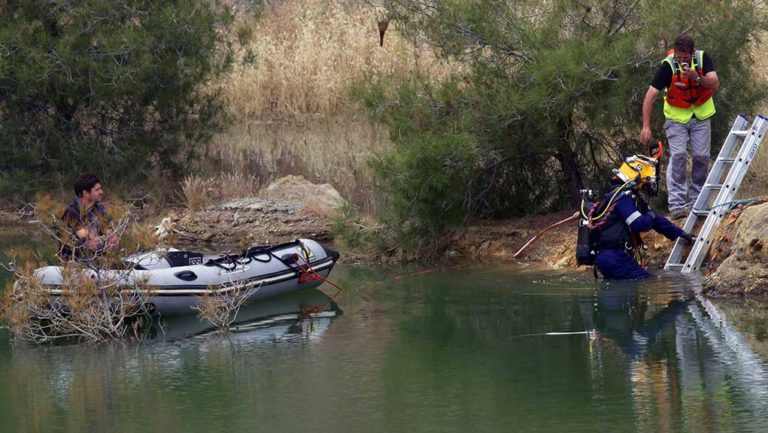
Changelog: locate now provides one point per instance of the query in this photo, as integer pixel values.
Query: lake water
(479, 348)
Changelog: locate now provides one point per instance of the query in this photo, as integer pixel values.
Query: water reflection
(481, 349)
(183, 368)
(276, 318)
(688, 369)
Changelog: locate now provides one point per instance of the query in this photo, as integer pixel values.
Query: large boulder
(322, 199)
(744, 269)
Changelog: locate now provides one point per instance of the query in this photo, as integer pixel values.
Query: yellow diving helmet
(641, 170)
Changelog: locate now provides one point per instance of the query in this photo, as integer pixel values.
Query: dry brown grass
(308, 52)
(324, 151)
(291, 106)
(200, 192)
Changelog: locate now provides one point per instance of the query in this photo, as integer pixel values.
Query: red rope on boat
(306, 273)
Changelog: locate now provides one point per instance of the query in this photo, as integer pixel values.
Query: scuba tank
(592, 216)
(586, 250)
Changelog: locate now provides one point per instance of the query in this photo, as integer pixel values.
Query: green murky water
(481, 349)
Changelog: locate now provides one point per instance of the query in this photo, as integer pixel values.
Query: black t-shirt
(663, 77)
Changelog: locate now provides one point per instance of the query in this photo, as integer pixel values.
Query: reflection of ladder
(711, 208)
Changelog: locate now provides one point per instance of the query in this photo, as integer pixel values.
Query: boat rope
(541, 232)
(306, 273)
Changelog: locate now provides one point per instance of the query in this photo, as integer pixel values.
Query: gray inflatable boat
(174, 281)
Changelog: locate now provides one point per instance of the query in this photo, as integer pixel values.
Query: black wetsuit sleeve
(663, 77)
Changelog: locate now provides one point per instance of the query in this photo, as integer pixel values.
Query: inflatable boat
(174, 281)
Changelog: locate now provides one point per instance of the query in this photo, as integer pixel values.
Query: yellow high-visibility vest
(684, 115)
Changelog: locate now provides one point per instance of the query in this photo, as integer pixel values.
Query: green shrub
(116, 87)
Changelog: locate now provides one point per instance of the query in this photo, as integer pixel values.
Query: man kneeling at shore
(86, 219)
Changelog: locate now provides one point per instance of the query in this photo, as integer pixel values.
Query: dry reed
(291, 106)
(307, 52)
(756, 181)
(200, 192)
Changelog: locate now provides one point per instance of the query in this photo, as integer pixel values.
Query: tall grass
(306, 53)
(330, 150)
(290, 104)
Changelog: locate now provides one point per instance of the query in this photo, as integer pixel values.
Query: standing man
(688, 79)
(86, 219)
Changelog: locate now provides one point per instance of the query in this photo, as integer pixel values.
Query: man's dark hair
(683, 43)
(85, 182)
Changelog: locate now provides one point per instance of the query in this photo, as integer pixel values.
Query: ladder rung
(713, 185)
(675, 265)
(703, 212)
(731, 160)
(740, 133)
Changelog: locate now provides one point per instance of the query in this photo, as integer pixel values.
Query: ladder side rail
(675, 257)
(726, 195)
(739, 124)
(718, 167)
(741, 165)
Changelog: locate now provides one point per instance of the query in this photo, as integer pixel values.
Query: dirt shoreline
(736, 268)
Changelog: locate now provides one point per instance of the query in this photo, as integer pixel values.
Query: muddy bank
(250, 220)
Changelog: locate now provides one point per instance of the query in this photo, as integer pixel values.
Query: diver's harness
(593, 216)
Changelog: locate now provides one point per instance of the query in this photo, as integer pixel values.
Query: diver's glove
(688, 237)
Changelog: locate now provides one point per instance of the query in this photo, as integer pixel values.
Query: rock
(321, 199)
(744, 270)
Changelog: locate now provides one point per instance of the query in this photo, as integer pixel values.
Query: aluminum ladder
(709, 209)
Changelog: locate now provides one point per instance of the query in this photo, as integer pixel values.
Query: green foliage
(431, 181)
(116, 87)
(546, 99)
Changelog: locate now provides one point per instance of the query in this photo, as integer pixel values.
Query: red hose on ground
(538, 235)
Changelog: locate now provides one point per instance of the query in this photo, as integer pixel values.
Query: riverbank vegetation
(467, 111)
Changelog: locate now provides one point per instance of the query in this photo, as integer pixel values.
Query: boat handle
(186, 275)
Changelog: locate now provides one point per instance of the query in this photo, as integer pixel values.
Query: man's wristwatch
(698, 80)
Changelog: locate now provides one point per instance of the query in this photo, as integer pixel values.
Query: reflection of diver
(630, 320)
(305, 312)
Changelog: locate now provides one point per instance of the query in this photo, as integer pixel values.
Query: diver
(615, 223)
